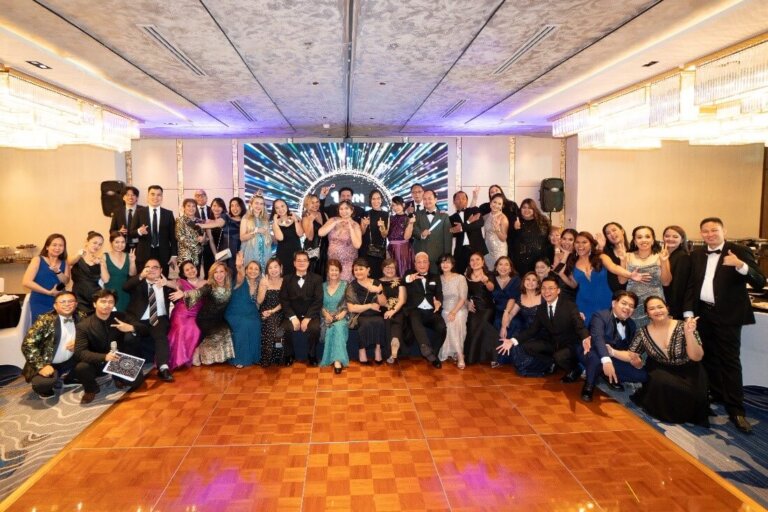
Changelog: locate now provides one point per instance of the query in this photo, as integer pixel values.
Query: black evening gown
(287, 247)
(482, 337)
(528, 245)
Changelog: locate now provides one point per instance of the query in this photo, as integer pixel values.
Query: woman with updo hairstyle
(189, 235)
(116, 267)
(334, 314)
(86, 271)
(344, 238)
(316, 246)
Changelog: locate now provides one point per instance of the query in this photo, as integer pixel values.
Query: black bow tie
(620, 321)
(716, 251)
(67, 320)
(430, 213)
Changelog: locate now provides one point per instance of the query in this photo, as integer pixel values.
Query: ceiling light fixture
(650, 63)
(38, 64)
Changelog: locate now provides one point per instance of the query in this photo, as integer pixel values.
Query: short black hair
(618, 294)
(131, 188)
(551, 280)
(716, 220)
(104, 292)
(459, 192)
(342, 189)
(155, 187)
(62, 293)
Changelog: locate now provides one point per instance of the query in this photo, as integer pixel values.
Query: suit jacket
(732, 306)
(417, 291)
(139, 291)
(603, 330)
(166, 234)
(470, 230)
(564, 329)
(305, 301)
(120, 219)
(333, 211)
(42, 341)
(208, 212)
(439, 240)
(411, 204)
(94, 337)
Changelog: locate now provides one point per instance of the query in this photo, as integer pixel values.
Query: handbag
(354, 320)
(226, 253)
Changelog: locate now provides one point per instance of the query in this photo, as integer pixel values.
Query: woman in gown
(236, 212)
(561, 254)
(288, 232)
(647, 257)
(224, 233)
(392, 300)
(511, 210)
(613, 241)
(496, 228)
(335, 319)
(482, 337)
(216, 343)
(399, 236)
(86, 272)
(362, 301)
(530, 237)
(506, 292)
(188, 234)
(47, 274)
(116, 267)
(243, 315)
(519, 318)
(676, 243)
(255, 238)
(183, 333)
(315, 245)
(676, 390)
(271, 314)
(374, 226)
(454, 311)
(344, 239)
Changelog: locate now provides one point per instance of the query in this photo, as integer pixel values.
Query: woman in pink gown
(184, 334)
(344, 239)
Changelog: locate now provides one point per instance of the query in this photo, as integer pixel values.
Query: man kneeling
(93, 339)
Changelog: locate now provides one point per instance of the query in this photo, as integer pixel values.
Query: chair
(11, 338)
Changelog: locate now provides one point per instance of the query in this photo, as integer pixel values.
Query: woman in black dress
(676, 390)
(363, 302)
(680, 265)
(288, 232)
(86, 272)
(375, 226)
(316, 246)
(482, 336)
(614, 250)
(392, 300)
(271, 314)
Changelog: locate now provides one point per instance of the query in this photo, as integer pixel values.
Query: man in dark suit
(301, 298)
(122, 218)
(422, 307)
(49, 346)
(150, 304)
(345, 194)
(556, 331)
(467, 230)
(155, 227)
(612, 328)
(203, 213)
(93, 341)
(416, 204)
(432, 231)
(717, 294)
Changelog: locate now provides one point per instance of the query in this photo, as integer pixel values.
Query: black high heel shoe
(378, 361)
(337, 369)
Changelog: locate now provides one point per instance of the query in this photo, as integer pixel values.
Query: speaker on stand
(552, 195)
(111, 196)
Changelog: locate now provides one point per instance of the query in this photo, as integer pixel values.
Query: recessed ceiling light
(382, 83)
(38, 64)
(170, 124)
(650, 63)
(315, 83)
(393, 46)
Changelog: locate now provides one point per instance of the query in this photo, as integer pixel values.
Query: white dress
(496, 247)
(454, 290)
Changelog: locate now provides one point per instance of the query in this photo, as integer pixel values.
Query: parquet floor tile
(373, 476)
(253, 478)
(506, 473)
(468, 412)
(365, 415)
(109, 480)
(296, 378)
(197, 380)
(163, 420)
(361, 377)
(418, 374)
(638, 470)
(260, 418)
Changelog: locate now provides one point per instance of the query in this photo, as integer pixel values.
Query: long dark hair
(594, 258)
(468, 272)
(655, 246)
(541, 220)
(49, 241)
(609, 247)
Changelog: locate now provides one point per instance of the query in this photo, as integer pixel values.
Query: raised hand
(690, 325)
(122, 326)
(517, 224)
(143, 229)
(239, 259)
(731, 260)
(123, 230)
(664, 254)
(132, 255)
(325, 190)
(587, 344)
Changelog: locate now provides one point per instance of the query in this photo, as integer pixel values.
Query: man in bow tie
(301, 298)
(422, 308)
(49, 346)
(717, 295)
(611, 329)
(432, 231)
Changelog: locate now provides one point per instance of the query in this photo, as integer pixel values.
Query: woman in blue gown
(47, 274)
(335, 319)
(243, 315)
(506, 289)
(585, 272)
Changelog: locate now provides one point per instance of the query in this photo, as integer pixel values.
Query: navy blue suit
(602, 328)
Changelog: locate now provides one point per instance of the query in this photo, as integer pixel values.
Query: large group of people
(491, 284)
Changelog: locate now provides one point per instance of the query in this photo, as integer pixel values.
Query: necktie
(155, 240)
(152, 306)
(716, 251)
(130, 216)
(551, 313)
(202, 213)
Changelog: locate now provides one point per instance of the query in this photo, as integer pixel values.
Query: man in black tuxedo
(301, 298)
(155, 227)
(556, 331)
(49, 346)
(717, 294)
(345, 194)
(432, 231)
(122, 218)
(467, 229)
(612, 328)
(93, 341)
(416, 204)
(150, 305)
(422, 307)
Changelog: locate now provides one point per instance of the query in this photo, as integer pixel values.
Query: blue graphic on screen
(290, 171)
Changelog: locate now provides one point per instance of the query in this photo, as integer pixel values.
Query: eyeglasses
(152, 266)
(66, 301)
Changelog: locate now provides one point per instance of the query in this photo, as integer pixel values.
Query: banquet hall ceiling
(280, 67)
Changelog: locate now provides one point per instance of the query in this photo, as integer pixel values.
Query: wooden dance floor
(406, 437)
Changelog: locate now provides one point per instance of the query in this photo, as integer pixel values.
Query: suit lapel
(57, 334)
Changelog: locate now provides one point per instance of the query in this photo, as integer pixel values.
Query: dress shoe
(587, 391)
(378, 362)
(742, 423)
(289, 361)
(616, 386)
(572, 376)
(121, 384)
(88, 397)
(365, 363)
(437, 364)
(312, 361)
(337, 369)
(165, 375)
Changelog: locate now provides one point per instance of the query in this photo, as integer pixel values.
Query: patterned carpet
(32, 430)
(740, 459)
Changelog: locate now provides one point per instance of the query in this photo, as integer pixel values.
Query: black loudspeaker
(552, 195)
(111, 196)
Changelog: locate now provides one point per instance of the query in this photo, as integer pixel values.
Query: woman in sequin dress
(495, 228)
(344, 239)
(255, 238)
(646, 256)
(399, 236)
(530, 239)
(272, 333)
(188, 234)
(454, 311)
